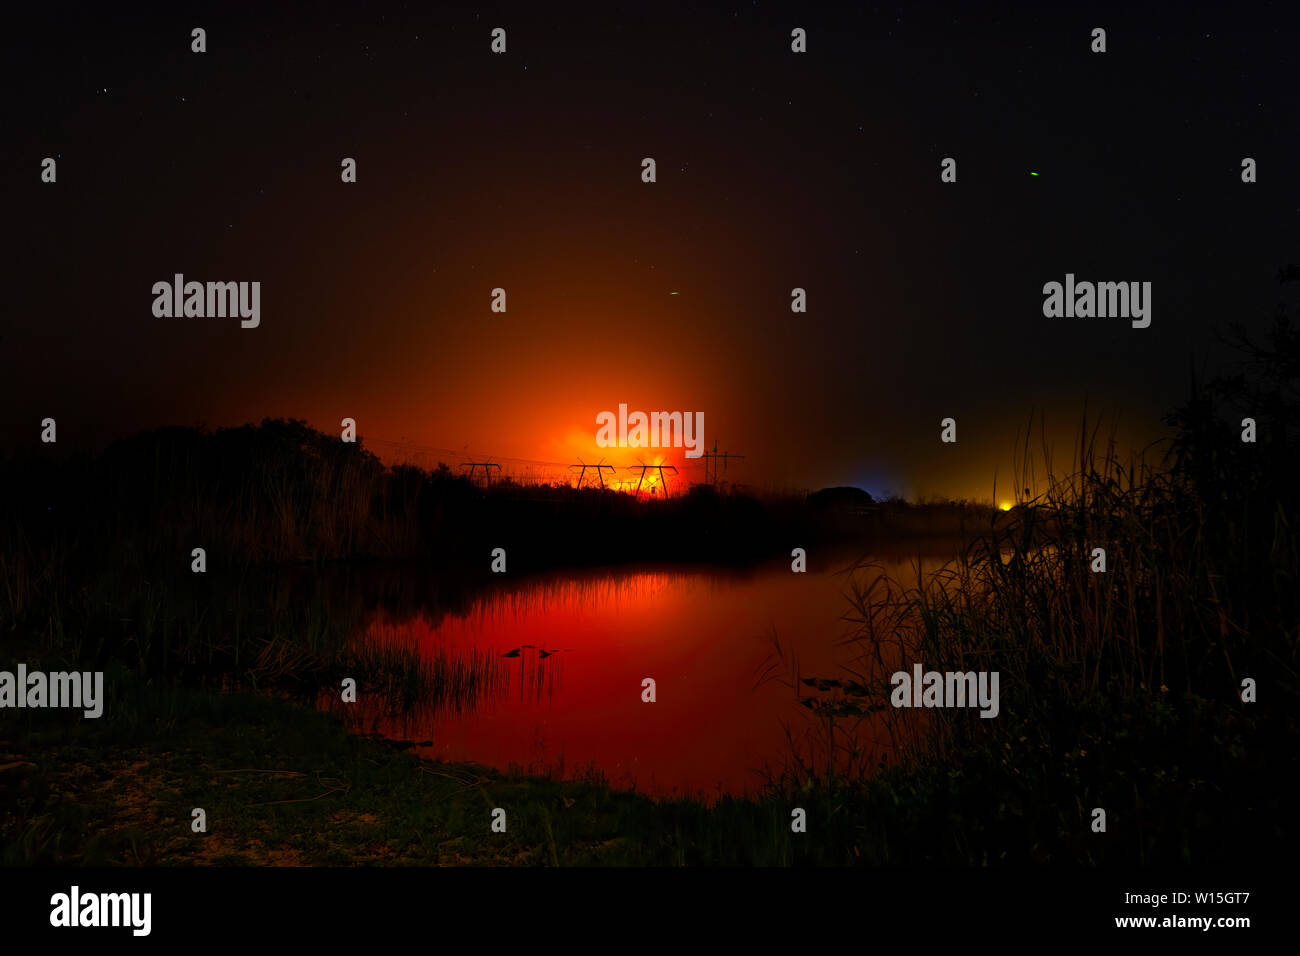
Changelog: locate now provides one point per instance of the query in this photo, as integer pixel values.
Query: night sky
(523, 171)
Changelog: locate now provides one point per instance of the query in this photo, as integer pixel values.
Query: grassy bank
(286, 785)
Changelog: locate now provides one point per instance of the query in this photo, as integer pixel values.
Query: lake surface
(566, 655)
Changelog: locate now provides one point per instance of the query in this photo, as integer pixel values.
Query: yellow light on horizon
(1005, 506)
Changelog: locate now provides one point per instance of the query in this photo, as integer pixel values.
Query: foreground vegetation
(1120, 690)
(284, 785)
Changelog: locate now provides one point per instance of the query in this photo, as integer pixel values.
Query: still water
(562, 660)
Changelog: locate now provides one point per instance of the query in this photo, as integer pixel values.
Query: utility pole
(723, 457)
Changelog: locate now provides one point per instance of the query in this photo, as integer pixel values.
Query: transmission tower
(600, 470)
(663, 482)
(485, 465)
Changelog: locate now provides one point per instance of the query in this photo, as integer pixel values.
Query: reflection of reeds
(414, 676)
(539, 677)
(404, 690)
(287, 628)
(412, 685)
(585, 588)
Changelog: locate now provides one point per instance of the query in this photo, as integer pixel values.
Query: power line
(558, 470)
(723, 457)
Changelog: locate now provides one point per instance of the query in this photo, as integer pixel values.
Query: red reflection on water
(571, 697)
